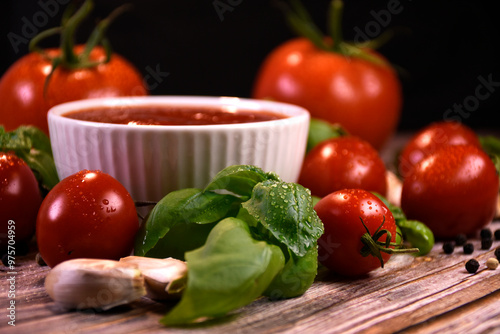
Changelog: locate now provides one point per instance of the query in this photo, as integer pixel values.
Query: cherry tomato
(20, 199)
(87, 215)
(452, 191)
(340, 163)
(22, 86)
(365, 98)
(430, 139)
(340, 247)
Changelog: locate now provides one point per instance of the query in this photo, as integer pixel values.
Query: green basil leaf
(296, 277)
(25, 138)
(396, 211)
(42, 165)
(491, 145)
(239, 179)
(35, 138)
(181, 238)
(33, 146)
(414, 232)
(230, 271)
(315, 200)
(320, 130)
(182, 207)
(418, 235)
(286, 211)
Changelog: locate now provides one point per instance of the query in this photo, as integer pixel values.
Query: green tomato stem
(97, 36)
(335, 24)
(375, 248)
(302, 24)
(33, 45)
(69, 59)
(70, 22)
(351, 50)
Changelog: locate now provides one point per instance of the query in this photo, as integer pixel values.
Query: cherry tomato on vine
(20, 199)
(343, 162)
(87, 215)
(431, 138)
(453, 191)
(341, 248)
(336, 81)
(44, 78)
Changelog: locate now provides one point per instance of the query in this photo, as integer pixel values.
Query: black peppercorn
(486, 233)
(5, 258)
(468, 248)
(472, 266)
(448, 247)
(460, 239)
(497, 253)
(486, 243)
(497, 234)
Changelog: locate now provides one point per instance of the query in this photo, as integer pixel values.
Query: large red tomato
(364, 97)
(87, 215)
(343, 163)
(22, 86)
(452, 191)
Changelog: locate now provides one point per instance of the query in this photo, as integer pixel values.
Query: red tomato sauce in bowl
(172, 115)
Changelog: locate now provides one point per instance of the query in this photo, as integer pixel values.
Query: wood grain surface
(427, 294)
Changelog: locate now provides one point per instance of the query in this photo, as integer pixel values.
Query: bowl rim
(294, 112)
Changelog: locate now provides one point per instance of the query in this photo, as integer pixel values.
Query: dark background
(441, 52)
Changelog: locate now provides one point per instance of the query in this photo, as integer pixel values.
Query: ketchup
(172, 115)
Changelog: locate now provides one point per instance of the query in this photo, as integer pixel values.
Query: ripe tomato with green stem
(87, 215)
(20, 199)
(341, 163)
(44, 78)
(360, 232)
(336, 81)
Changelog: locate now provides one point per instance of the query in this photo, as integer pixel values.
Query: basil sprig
(33, 146)
(247, 234)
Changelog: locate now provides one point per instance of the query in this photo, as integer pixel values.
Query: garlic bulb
(92, 283)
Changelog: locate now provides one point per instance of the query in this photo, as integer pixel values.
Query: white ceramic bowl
(152, 160)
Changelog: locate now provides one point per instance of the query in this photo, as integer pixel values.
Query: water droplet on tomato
(105, 202)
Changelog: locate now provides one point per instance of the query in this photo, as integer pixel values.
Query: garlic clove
(394, 188)
(94, 283)
(165, 278)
